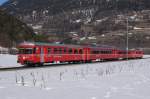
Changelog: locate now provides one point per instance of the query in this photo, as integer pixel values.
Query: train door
(114, 53)
(86, 54)
(41, 55)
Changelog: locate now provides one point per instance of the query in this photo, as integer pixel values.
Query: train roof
(65, 45)
(46, 44)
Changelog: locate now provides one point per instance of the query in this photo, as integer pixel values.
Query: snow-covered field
(110, 80)
(7, 60)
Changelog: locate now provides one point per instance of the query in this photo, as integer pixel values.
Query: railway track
(14, 68)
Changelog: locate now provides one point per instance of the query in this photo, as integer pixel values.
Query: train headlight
(23, 57)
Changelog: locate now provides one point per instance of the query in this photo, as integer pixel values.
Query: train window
(49, 50)
(95, 52)
(75, 51)
(70, 51)
(122, 52)
(34, 50)
(80, 51)
(109, 52)
(119, 52)
(55, 50)
(20, 51)
(99, 52)
(26, 51)
(129, 52)
(102, 52)
(65, 50)
(60, 50)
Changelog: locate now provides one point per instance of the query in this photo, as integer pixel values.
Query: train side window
(34, 50)
(55, 50)
(109, 52)
(60, 50)
(49, 50)
(102, 52)
(95, 52)
(106, 52)
(75, 51)
(70, 51)
(119, 52)
(80, 51)
(65, 50)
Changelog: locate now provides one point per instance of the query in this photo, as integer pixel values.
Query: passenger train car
(39, 53)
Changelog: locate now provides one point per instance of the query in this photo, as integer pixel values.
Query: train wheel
(38, 64)
(69, 62)
(28, 65)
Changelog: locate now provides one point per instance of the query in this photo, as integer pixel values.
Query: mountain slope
(55, 6)
(12, 30)
(86, 21)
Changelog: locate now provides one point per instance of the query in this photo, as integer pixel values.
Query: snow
(37, 27)
(83, 38)
(104, 80)
(79, 20)
(7, 60)
(92, 37)
(137, 28)
(3, 49)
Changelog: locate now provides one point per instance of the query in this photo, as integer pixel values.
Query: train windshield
(26, 50)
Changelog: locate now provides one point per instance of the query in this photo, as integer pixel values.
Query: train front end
(26, 54)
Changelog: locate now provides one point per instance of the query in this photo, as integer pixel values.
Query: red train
(39, 53)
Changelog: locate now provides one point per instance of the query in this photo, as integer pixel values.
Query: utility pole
(127, 40)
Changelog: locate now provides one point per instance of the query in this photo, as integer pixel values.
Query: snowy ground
(110, 80)
(7, 60)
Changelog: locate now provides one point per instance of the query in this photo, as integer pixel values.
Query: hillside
(86, 21)
(12, 30)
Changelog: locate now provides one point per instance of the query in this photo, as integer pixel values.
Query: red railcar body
(39, 53)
